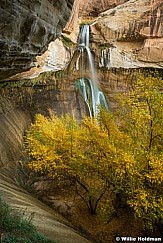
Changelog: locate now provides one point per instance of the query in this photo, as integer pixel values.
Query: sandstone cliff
(81, 11)
(27, 27)
(92, 8)
(130, 35)
(125, 39)
(84, 10)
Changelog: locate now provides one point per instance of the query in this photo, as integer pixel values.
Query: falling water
(88, 87)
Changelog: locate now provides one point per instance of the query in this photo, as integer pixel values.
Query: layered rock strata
(27, 27)
(13, 123)
(55, 58)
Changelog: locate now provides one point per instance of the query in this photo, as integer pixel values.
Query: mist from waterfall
(88, 87)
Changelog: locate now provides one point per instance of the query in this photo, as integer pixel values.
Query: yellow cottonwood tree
(95, 155)
(80, 151)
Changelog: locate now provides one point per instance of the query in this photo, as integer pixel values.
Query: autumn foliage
(121, 154)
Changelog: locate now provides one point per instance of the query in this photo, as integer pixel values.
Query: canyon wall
(129, 35)
(126, 37)
(20, 101)
(54, 59)
(85, 10)
(27, 27)
(12, 122)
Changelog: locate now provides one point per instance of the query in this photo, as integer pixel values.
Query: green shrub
(67, 42)
(15, 228)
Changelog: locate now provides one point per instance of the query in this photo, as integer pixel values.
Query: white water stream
(88, 87)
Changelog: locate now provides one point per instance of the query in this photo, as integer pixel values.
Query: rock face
(13, 123)
(93, 8)
(47, 221)
(73, 21)
(19, 104)
(126, 39)
(83, 10)
(55, 58)
(130, 35)
(27, 27)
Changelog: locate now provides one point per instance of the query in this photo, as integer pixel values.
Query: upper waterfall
(84, 36)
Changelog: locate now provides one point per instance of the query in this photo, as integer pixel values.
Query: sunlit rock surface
(92, 8)
(131, 35)
(129, 32)
(85, 10)
(27, 27)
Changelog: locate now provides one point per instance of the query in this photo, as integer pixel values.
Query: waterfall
(84, 36)
(88, 87)
(105, 58)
